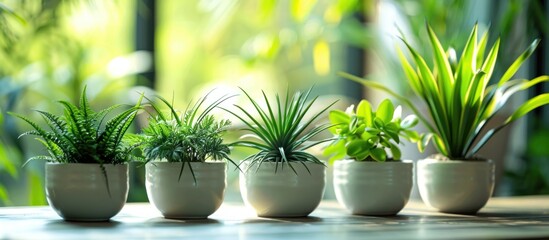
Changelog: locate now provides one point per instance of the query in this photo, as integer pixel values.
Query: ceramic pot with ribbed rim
(184, 198)
(455, 186)
(373, 188)
(80, 191)
(280, 192)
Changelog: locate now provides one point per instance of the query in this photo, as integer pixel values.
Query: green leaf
(360, 129)
(481, 48)
(525, 108)
(353, 125)
(366, 135)
(516, 85)
(411, 75)
(439, 143)
(409, 121)
(392, 130)
(518, 62)
(445, 76)
(395, 152)
(467, 63)
(378, 123)
(538, 101)
(373, 131)
(339, 117)
(490, 63)
(364, 110)
(413, 136)
(378, 154)
(425, 139)
(336, 150)
(385, 111)
(358, 147)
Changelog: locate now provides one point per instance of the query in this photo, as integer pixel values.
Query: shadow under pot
(84, 192)
(183, 198)
(373, 188)
(455, 186)
(278, 191)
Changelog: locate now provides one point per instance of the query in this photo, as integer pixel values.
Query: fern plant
(82, 135)
(368, 135)
(281, 130)
(458, 95)
(192, 136)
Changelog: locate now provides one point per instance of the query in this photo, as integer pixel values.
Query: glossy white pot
(183, 198)
(282, 193)
(373, 188)
(455, 186)
(78, 191)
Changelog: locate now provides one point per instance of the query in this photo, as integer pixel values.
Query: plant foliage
(458, 95)
(82, 135)
(194, 136)
(282, 132)
(367, 135)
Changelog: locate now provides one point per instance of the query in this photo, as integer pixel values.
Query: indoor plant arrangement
(184, 175)
(87, 170)
(461, 100)
(281, 179)
(368, 181)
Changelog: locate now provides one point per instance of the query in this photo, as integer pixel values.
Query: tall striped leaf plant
(461, 96)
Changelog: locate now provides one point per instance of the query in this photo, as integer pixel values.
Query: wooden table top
(512, 218)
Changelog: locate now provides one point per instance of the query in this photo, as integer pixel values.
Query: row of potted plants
(86, 177)
(184, 153)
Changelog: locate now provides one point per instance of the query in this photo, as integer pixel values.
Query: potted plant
(86, 169)
(281, 179)
(461, 100)
(368, 180)
(185, 177)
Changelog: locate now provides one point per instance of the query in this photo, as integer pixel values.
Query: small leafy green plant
(367, 135)
(191, 136)
(458, 95)
(82, 135)
(281, 130)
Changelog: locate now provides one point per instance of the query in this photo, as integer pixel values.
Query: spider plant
(283, 134)
(367, 135)
(82, 135)
(458, 94)
(191, 136)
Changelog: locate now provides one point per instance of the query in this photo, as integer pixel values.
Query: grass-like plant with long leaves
(368, 135)
(281, 131)
(191, 136)
(82, 135)
(458, 95)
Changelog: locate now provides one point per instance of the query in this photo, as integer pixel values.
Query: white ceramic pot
(455, 186)
(78, 191)
(183, 198)
(373, 188)
(282, 193)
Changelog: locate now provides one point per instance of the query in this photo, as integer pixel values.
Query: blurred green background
(50, 49)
